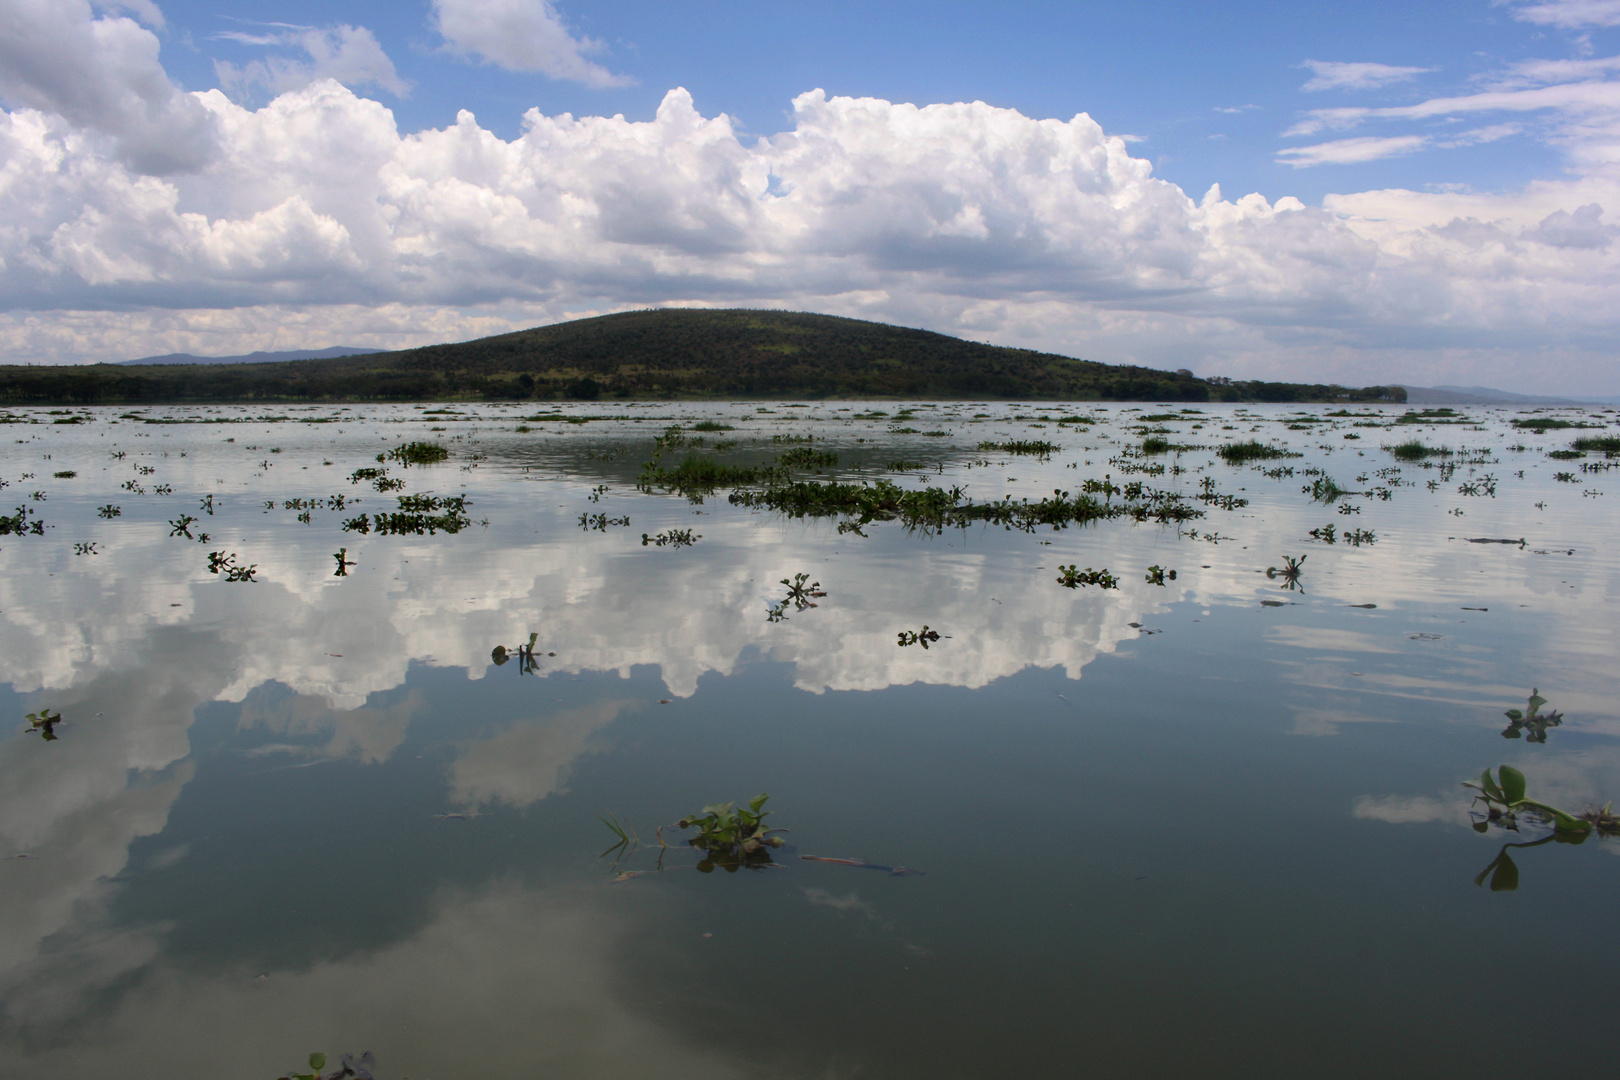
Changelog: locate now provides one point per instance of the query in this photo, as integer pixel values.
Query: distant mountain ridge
(253, 357)
(1485, 395)
(666, 354)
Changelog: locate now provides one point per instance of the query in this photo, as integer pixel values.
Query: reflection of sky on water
(133, 644)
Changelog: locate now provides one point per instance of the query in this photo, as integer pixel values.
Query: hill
(669, 353)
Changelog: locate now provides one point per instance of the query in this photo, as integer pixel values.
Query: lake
(1093, 761)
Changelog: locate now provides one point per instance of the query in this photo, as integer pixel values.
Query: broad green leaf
(1514, 714)
(1488, 786)
(719, 809)
(317, 1062)
(1512, 783)
(757, 801)
(1536, 700)
(498, 654)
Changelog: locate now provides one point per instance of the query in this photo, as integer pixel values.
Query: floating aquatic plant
(43, 723)
(527, 663)
(1251, 450)
(733, 837)
(1070, 577)
(418, 453)
(672, 538)
(1032, 447)
(350, 1067)
(1529, 723)
(1504, 798)
(923, 637)
(1156, 575)
(1290, 571)
(1417, 450)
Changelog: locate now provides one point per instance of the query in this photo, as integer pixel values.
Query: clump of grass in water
(1608, 444)
(1252, 450)
(1155, 445)
(1417, 450)
(418, 515)
(712, 425)
(937, 508)
(1546, 423)
(1032, 447)
(418, 453)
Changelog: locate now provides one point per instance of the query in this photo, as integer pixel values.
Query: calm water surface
(1207, 828)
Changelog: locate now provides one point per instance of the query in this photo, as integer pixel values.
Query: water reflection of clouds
(530, 759)
(502, 981)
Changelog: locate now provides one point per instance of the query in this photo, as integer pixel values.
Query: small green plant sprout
(733, 837)
(1358, 537)
(350, 1067)
(43, 723)
(1291, 569)
(1156, 575)
(1328, 534)
(922, 637)
(343, 562)
(109, 511)
(181, 526)
(1529, 723)
(83, 547)
(627, 841)
(1504, 799)
(1072, 578)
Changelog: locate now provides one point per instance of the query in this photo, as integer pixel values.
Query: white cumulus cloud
(103, 75)
(521, 35)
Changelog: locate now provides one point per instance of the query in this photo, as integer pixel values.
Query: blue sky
(1209, 89)
(1437, 183)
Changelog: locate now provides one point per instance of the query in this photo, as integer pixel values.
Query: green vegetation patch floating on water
(1608, 444)
(1032, 447)
(1417, 450)
(1252, 450)
(1547, 423)
(418, 453)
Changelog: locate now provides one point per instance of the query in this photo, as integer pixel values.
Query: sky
(1425, 194)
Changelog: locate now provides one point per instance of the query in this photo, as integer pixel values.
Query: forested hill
(669, 353)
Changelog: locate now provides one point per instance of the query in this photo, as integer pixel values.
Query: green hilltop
(662, 354)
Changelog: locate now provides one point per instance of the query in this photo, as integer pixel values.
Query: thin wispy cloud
(349, 54)
(1570, 14)
(1332, 75)
(1351, 151)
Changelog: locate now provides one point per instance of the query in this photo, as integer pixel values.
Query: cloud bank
(136, 218)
